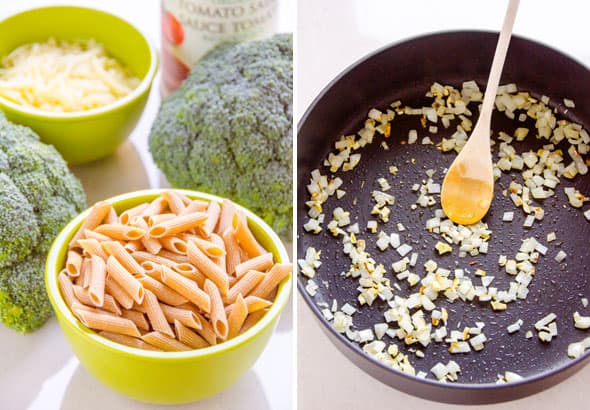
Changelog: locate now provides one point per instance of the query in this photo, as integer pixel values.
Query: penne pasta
(188, 337)
(174, 200)
(156, 219)
(184, 316)
(252, 319)
(174, 244)
(187, 288)
(84, 278)
(118, 293)
(237, 316)
(125, 279)
(66, 288)
(150, 269)
(209, 248)
(97, 280)
(245, 285)
(128, 341)
(218, 316)
(220, 259)
(157, 206)
(120, 232)
(208, 267)
(189, 271)
(232, 249)
(133, 246)
(164, 342)
(163, 292)
(213, 212)
(152, 245)
(102, 321)
(111, 217)
(253, 303)
(95, 235)
(146, 256)
(245, 237)
(131, 213)
(274, 276)
(195, 205)
(228, 209)
(138, 318)
(177, 225)
(260, 263)
(95, 217)
(92, 247)
(206, 331)
(155, 314)
(117, 250)
(109, 304)
(73, 264)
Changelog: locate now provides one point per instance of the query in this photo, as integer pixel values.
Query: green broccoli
(38, 196)
(228, 129)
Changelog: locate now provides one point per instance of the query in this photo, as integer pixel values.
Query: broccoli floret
(38, 196)
(228, 129)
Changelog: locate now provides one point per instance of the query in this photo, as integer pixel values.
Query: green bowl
(161, 377)
(86, 135)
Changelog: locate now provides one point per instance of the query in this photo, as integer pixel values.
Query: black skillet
(405, 71)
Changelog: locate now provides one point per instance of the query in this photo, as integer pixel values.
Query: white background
(331, 35)
(38, 371)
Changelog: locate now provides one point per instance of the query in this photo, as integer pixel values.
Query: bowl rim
(354, 348)
(136, 93)
(60, 307)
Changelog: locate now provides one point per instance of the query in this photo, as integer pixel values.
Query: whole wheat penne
(116, 291)
(92, 247)
(253, 303)
(174, 244)
(213, 212)
(111, 217)
(152, 245)
(245, 237)
(164, 342)
(124, 278)
(163, 292)
(228, 208)
(218, 316)
(237, 316)
(189, 271)
(117, 250)
(128, 341)
(73, 263)
(88, 234)
(138, 318)
(174, 200)
(146, 256)
(186, 288)
(84, 278)
(101, 321)
(273, 277)
(95, 217)
(206, 332)
(179, 224)
(133, 246)
(252, 319)
(219, 260)
(188, 337)
(66, 288)
(97, 280)
(173, 256)
(157, 206)
(127, 215)
(158, 218)
(109, 304)
(209, 248)
(196, 205)
(260, 263)
(120, 232)
(245, 285)
(232, 250)
(207, 267)
(184, 316)
(155, 314)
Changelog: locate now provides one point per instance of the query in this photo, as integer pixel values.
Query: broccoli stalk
(38, 196)
(228, 129)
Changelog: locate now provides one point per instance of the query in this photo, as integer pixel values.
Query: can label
(191, 28)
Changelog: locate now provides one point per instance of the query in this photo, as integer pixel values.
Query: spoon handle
(499, 57)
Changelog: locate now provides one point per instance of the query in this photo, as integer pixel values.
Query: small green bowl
(161, 377)
(86, 135)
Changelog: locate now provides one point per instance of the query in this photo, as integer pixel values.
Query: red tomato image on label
(172, 29)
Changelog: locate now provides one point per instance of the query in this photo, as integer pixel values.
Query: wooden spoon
(468, 187)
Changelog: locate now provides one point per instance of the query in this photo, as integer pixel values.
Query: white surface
(38, 371)
(331, 35)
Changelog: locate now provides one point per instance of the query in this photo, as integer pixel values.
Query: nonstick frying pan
(405, 71)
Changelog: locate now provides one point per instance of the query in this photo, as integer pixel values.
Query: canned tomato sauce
(190, 28)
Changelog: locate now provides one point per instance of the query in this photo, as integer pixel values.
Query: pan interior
(556, 287)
